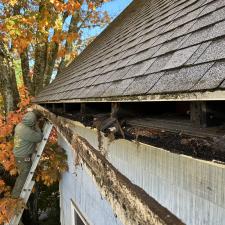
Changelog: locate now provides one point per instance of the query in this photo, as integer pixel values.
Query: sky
(114, 8)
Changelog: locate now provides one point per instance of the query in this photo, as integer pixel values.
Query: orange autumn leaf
(91, 6)
(9, 207)
(77, 5)
(2, 185)
(61, 52)
(72, 6)
(71, 37)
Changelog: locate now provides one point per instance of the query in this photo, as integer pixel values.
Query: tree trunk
(25, 71)
(12, 75)
(69, 46)
(54, 47)
(39, 67)
(8, 79)
(6, 87)
(62, 65)
(8, 83)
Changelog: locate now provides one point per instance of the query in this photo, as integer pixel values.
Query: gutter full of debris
(178, 137)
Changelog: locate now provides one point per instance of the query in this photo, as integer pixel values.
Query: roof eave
(217, 95)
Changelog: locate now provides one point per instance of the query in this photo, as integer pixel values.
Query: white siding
(194, 190)
(78, 185)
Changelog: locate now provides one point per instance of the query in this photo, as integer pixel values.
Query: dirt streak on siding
(129, 202)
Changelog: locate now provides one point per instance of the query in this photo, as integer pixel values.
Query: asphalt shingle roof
(153, 47)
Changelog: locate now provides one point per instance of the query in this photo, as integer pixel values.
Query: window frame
(75, 211)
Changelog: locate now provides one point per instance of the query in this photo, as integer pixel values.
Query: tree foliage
(53, 161)
(38, 38)
(45, 35)
(7, 124)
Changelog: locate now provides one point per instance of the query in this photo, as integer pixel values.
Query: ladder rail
(40, 147)
(16, 219)
(29, 183)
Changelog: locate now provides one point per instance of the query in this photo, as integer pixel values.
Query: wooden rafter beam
(199, 113)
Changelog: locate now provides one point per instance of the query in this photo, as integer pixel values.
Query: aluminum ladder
(29, 184)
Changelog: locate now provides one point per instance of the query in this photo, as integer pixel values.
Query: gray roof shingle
(180, 80)
(213, 78)
(180, 57)
(153, 47)
(143, 84)
(117, 88)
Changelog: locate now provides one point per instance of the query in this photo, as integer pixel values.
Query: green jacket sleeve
(33, 135)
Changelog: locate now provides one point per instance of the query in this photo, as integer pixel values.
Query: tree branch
(69, 46)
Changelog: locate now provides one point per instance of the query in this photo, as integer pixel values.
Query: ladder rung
(26, 189)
